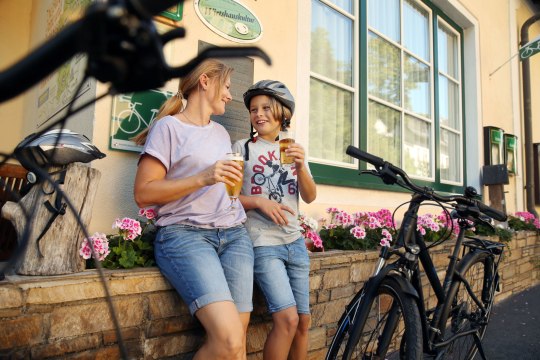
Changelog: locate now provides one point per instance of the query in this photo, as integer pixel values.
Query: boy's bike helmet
(273, 88)
(56, 147)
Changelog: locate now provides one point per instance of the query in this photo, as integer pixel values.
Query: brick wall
(52, 316)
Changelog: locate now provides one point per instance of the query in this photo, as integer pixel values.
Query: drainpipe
(527, 118)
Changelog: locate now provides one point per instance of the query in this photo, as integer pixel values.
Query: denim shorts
(207, 265)
(282, 274)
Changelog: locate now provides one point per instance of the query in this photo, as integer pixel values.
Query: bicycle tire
(341, 337)
(374, 337)
(462, 313)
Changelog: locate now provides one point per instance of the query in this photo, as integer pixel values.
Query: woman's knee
(230, 346)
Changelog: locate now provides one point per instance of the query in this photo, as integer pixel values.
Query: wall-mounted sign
(175, 12)
(131, 114)
(229, 19)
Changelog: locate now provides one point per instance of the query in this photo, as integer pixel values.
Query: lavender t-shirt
(186, 150)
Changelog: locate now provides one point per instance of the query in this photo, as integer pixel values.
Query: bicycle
(125, 50)
(388, 318)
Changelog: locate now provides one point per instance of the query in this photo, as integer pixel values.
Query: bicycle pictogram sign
(131, 114)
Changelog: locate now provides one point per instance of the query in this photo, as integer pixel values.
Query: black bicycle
(389, 318)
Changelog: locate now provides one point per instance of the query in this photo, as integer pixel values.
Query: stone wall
(52, 316)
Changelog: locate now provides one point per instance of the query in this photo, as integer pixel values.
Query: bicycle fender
(405, 285)
(390, 271)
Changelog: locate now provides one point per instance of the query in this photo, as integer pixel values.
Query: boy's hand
(297, 152)
(275, 211)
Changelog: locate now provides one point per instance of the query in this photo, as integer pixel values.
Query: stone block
(166, 304)
(329, 312)
(167, 346)
(361, 271)
(315, 282)
(342, 292)
(336, 277)
(65, 346)
(66, 290)
(10, 296)
(171, 325)
(130, 284)
(256, 336)
(89, 318)
(109, 336)
(317, 338)
(323, 296)
(23, 331)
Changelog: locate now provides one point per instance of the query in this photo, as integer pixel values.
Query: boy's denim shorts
(282, 274)
(207, 265)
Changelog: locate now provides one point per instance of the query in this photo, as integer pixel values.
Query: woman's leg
(225, 332)
(299, 347)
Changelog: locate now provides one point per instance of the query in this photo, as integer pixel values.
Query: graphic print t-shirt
(264, 176)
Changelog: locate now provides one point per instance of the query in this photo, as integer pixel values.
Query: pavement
(514, 330)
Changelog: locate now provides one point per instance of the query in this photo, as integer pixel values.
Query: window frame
(324, 172)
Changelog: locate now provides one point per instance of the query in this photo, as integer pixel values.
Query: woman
(281, 257)
(202, 246)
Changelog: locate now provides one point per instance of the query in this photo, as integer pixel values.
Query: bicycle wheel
(341, 337)
(388, 326)
(463, 313)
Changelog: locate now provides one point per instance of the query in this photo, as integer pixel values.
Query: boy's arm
(306, 185)
(271, 209)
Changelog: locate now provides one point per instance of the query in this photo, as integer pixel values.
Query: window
(332, 84)
(403, 102)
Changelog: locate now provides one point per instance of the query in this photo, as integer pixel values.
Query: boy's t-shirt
(264, 176)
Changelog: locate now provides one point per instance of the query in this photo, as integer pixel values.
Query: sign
(529, 49)
(175, 12)
(131, 114)
(229, 19)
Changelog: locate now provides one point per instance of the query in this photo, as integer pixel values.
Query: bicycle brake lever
(370, 172)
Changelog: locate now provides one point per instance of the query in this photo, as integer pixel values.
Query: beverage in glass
(234, 191)
(285, 139)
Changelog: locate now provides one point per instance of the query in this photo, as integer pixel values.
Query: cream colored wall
(490, 30)
(14, 43)
(114, 198)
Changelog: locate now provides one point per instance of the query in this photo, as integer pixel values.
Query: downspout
(527, 118)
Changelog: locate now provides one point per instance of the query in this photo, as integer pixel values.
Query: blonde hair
(279, 111)
(212, 68)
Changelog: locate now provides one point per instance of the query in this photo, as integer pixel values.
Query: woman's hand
(225, 171)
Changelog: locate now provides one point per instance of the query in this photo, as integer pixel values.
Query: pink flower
(101, 247)
(358, 232)
(385, 242)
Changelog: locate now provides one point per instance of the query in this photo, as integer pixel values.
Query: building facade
(423, 84)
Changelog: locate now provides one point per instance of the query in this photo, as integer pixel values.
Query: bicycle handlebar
(389, 173)
(123, 48)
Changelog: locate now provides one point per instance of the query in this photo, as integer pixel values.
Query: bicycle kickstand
(478, 343)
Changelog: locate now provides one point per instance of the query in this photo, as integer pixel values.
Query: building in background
(416, 82)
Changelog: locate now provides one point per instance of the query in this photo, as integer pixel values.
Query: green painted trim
(333, 175)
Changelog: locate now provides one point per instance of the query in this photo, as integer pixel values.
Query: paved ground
(514, 330)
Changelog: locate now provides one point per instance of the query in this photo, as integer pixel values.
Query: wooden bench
(12, 180)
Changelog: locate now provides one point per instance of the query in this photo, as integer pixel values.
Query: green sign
(131, 114)
(229, 19)
(175, 12)
(531, 48)
(496, 136)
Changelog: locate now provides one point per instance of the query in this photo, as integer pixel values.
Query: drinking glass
(234, 190)
(285, 139)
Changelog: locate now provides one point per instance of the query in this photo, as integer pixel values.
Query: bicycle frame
(410, 280)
